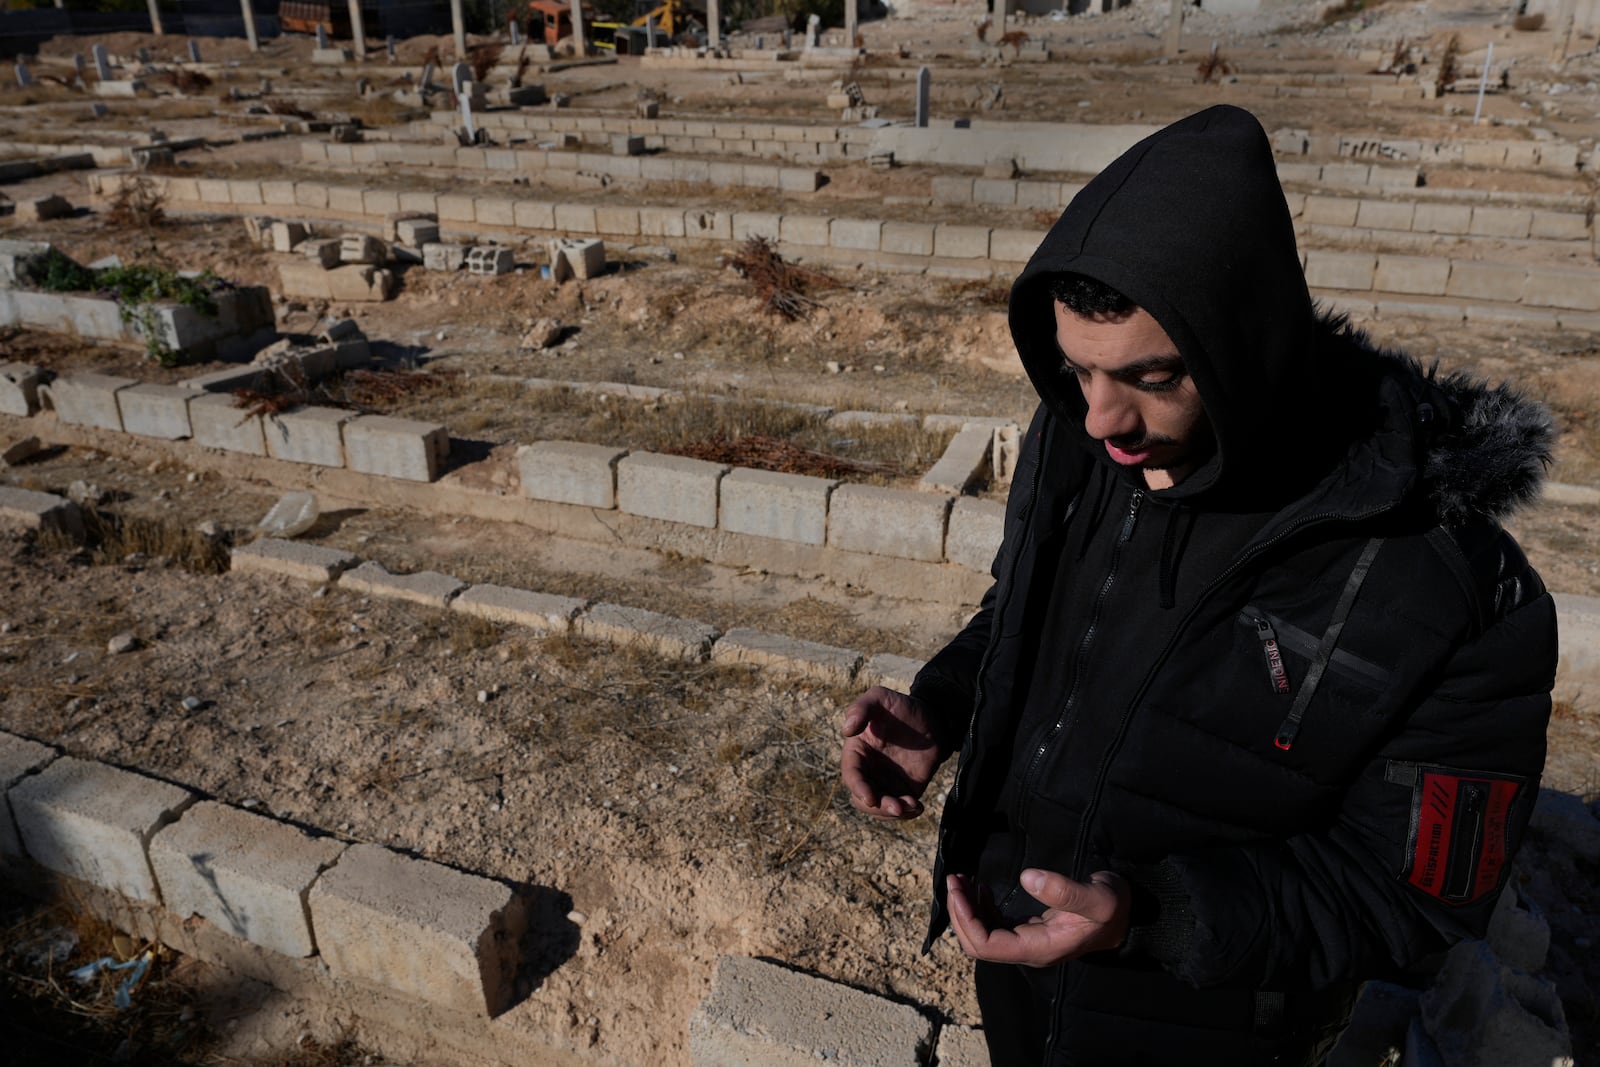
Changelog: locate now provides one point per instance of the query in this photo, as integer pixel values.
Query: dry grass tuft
(1214, 65)
(768, 453)
(112, 538)
(140, 203)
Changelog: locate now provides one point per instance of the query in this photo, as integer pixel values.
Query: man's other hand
(890, 753)
(1080, 917)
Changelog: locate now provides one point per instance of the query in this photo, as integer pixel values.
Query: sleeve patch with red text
(1458, 848)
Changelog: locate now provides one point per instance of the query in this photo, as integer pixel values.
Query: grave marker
(426, 82)
(248, 10)
(650, 31)
(924, 81)
(363, 87)
(460, 75)
(24, 75)
(143, 55)
(788, 39)
(389, 47)
(1174, 40)
(358, 32)
(80, 64)
(714, 25)
(466, 117)
(458, 27)
(813, 28)
(194, 50)
(155, 20)
(102, 65)
(850, 17)
(322, 37)
(580, 46)
(99, 110)
(516, 34)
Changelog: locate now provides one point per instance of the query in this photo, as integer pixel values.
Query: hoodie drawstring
(1172, 545)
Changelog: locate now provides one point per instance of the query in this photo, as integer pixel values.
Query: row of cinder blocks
(1544, 287)
(324, 437)
(617, 624)
(374, 916)
(1463, 220)
(243, 317)
(906, 524)
(610, 125)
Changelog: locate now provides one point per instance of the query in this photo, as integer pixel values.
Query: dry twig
(782, 286)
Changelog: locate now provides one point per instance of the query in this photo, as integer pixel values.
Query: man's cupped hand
(890, 753)
(1079, 918)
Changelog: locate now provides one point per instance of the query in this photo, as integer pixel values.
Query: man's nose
(1111, 415)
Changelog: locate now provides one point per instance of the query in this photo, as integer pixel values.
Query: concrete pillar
(155, 20)
(650, 32)
(713, 24)
(358, 31)
(458, 26)
(102, 63)
(248, 10)
(1174, 40)
(851, 16)
(924, 81)
(580, 43)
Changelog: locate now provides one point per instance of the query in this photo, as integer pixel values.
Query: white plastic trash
(291, 516)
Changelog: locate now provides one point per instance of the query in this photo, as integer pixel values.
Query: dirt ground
(681, 811)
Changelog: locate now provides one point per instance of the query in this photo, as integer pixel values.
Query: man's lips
(1125, 457)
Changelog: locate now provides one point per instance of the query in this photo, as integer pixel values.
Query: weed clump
(785, 289)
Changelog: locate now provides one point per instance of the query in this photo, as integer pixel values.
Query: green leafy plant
(137, 288)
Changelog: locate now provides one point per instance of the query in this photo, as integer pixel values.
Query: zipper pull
(1277, 673)
(1133, 515)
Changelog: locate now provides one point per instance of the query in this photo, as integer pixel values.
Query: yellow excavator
(671, 17)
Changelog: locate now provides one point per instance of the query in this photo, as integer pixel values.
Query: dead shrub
(784, 289)
(1214, 65)
(1449, 64)
(1016, 39)
(190, 82)
(139, 203)
(482, 58)
(983, 30)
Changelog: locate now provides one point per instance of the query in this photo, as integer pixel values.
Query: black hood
(1191, 224)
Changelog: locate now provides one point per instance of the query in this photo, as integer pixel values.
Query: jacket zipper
(1463, 861)
(1277, 673)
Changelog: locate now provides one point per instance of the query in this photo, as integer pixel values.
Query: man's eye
(1160, 383)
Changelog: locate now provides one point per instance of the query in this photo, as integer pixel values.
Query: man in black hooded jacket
(1255, 708)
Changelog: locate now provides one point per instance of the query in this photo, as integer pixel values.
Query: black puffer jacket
(1378, 601)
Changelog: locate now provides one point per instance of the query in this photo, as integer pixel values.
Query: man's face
(1142, 402)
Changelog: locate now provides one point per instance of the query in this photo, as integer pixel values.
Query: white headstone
(516, 34)
(24, 75)
(713, 25)
(102, 65)
(580, 43)
(850, 17)
(813, 28)
(194, 50)
(460, 74)
(466, 117)
(924, 78)
(322, 36)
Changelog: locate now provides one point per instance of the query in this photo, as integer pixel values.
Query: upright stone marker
(580, 43)
(516, 33)
(460, 75)
(813, 28)
(458, 27)
(1174, 41)
(466, 117)
(81, 65)
(426, 81)
(788, 39)
(650, 31)
(194, 50)
(155, 20)
(389, 47)
(924, 81)
(24, 75)
(248, 10)
(850, 19)
(713, 25)
(322, 37)
(358, 32)
(102, 65)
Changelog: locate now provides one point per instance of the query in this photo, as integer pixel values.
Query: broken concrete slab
(519, 607)
(247, 874)
(789, 655)
(424, 587)
(93, 822)
(759, 1012)
(19, 757)
(20, 451)
(568, 472)
(355, 282)
(894, 672)
(666, 635)
(396, 448)
(419, 928)
(291, 559)
(19, 388)
(671, 488)
(42, 208)
(87, 399)
(26, 509)
(965, 461)
(787, 507)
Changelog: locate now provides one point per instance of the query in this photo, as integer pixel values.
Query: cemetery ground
(667, 812)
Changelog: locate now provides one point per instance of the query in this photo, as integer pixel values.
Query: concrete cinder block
(999, 192)
(307, 435)
(660, 222)
(708, 225)
(811, 230)
(891, 671)
(19, 758)
(520, 607)
(788, 507)
(356, 282)
(1385, 214)
(1424, 275)
(19, 388)
(534, 215)
(216, 423)
(759, 1012)
(93, 822)
(445, 257)
(962, 1046)
(246, 873)
(748, 224)
(1340, 270)
(490, 261)
(903, 523)
(495, 211)
(617, 220)
(671, 488)
(576, 257)
(568, 472)
(1330, 211)
(291, 559)
(1014, 246)
(1485, 281)
(952, 189)
(1562, 288)
(965, 460)
(861, 234)
(960, 242)
(575, 218)
(87, 399)
(151, 410)
(27, 509)
(665, 635)
(1441, 218)
(322, 251)
(424, 587)
(907, 238)
(976, 529)
(425, 930)
(799, 180)
(1514, 222)
(416, 232)
(457, 207)
(1559, 226)
(789, 655)
(396, 448)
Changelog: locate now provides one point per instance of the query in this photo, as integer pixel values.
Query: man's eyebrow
(1169, 362)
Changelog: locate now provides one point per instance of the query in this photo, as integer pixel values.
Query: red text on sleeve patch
(1458, 834)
